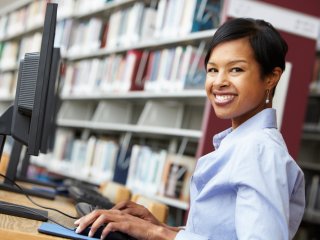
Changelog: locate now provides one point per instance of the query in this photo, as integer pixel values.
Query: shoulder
(264, 141)
(263, 152)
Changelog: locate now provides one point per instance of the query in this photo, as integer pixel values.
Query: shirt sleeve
(263, 178)
(186, 235)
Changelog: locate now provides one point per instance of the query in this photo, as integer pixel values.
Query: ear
(273, 78)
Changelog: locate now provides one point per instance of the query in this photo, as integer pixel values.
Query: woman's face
(233, 83)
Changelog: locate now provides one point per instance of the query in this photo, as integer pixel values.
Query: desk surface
(21, 228)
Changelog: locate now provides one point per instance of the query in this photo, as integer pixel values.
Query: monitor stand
(22, 176)
(11, 173)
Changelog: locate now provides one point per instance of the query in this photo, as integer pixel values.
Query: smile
(224, 99)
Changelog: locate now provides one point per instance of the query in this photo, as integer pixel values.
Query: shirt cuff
(184, 235)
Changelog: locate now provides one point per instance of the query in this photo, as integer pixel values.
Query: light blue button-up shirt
(248, 188)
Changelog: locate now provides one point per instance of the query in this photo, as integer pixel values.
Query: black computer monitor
(26, 119)
(47, 138)
(48, 130)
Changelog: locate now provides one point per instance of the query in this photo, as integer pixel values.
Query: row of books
(112, 73)
(96, 156)
(158, 172)
(22, 19)
(32, 14)
(67, 8)
(143, 169)
(129, 26)
(173, 69)
(12, 51)
(84, 36)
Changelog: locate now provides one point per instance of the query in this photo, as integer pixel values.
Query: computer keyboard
(88, 194)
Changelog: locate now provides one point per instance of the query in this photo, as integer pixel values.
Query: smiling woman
(249, 187)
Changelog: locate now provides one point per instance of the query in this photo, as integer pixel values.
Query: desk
(12, 227)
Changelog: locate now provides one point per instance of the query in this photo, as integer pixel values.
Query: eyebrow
(231, 62)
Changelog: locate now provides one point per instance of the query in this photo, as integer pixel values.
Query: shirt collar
(264, 119)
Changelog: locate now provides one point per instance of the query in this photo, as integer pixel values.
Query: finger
(87, 220)
(77, 221)
(120, 205)
(131, 227)
(137, 210)
(123, 205)
(100, 221)
(111, 227)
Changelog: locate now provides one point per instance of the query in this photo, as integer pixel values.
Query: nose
(221, 80)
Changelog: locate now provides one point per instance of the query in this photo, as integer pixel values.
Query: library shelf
(62, 167)
(6, 99)
(191, 38)
(186, 94)
(98, 126)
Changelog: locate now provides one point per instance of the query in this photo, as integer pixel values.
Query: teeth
(224, 98)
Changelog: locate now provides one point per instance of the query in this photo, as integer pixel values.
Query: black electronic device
(84, 208)
(89, 195)
(26, 119)
(111, 236)
(25, 212)
(49, 126)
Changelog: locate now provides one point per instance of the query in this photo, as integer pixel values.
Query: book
(145, 170)
(132, 62)
(104, 161)
(132, 30)
(122, 163)
(148, 23)
(160, 18)
(196, 76)
(114, 29)
(188, 57)
(63, 144)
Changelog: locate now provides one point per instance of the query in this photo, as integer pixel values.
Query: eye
(212, 70)
(236, 69)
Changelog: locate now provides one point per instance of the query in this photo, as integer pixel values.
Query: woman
(249, 187)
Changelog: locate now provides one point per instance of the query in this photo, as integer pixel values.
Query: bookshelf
(117, 114)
